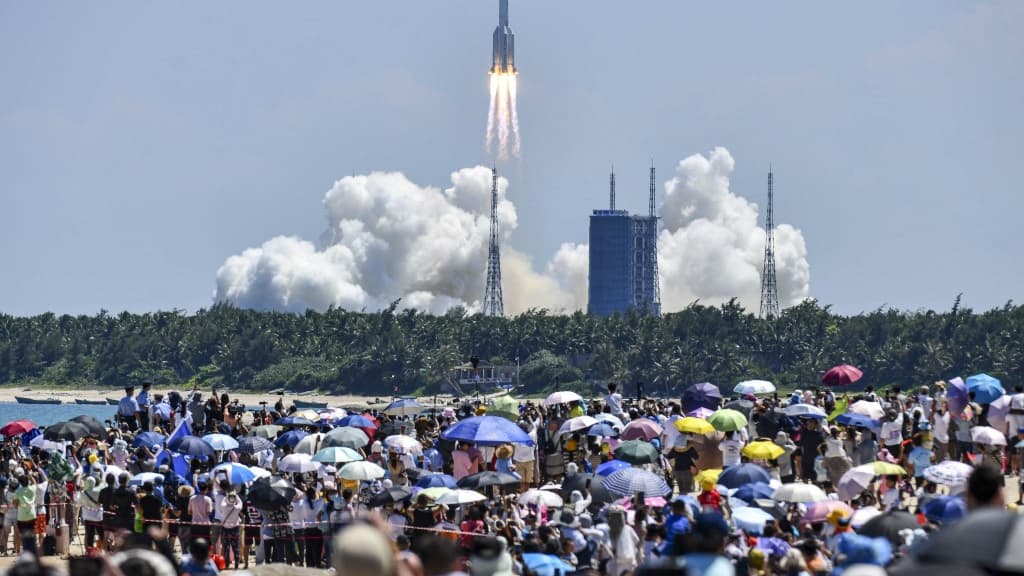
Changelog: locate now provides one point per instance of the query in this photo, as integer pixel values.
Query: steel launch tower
(769, 291)
(493, 305)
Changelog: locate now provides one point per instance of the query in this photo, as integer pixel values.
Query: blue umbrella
(945, 509)
(294, 421)
(852, 419)
(703, 395)
(191, 446)
(749, 492)
(436, 481)
(610, 467)
(487, 431)
(545, 564)
(603, 429)
(986, 388)
(237, 473)
(737, 476)
(148, 439)
(404, 407)
(291, 438)
(140, 479)
(355, 421)
(221, 442)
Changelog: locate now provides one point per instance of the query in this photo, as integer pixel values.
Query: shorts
(10, 519)
(40, 524)
(525, 470)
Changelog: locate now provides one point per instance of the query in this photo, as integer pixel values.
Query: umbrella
(888, 525)
(541, 497)
(437, 480)
(945, 509)
(611, 466)
(291, 438)
(948, 473)
(751, 520)
(356, 421)
(736, 476)
(390, 496)
(65, 432)
(592, 482)
(883, 468)
(460, 496)
(704, 394)
(237, 474)
(293, 421)
(611, 419)
(546, 564)
(487, 431)
(711, 474)
(841, 375)
(308, 414)
(741, 405)
(862, 515)
(148, 439)
(630, 481)
(506, 407)
(750, 492)
(404, 407)
(271, 493)
(636, 452)
(819, 511)
(872, 410)
(254, 444)
(804, 411)
(193, 446)
(16, 427)
(347, 437)
(487, 478)
(140, 479)
(762, 450)
(989, 537)
(986, 388)
(603, 429)
(298, 464)
(727, 420)
(95, 427)
(859, 420)
(956, 396)
(689, 425)
(361, 470)
(404, 444)
(796, 492)
(268, 431)
(700, 412)
(998, 410)
(987, 435)
(754, 387)
(221, 442)
(563, 397)
(310, 444)
(576, 424)
(641, 428)
(337, 455)
(45, 445)
(854, 481)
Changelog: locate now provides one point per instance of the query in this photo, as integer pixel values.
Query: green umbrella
(727, 420)
(637, 452)
(269, 431)
(506, 407)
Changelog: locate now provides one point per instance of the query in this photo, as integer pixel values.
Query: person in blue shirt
(920, 458)
(142, 400)
(432, 459)
(128, 409)
(199, 563)
(677, 523)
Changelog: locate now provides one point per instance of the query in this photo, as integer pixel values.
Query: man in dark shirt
(123, 501)
(810, 439)
(152, 506)
(684, 460)
(107, 502)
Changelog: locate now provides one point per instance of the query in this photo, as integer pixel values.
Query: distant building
(623, 260)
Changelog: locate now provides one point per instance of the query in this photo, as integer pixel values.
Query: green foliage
(373, 353)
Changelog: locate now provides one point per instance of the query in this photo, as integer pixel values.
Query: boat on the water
(301, 404)
(81, 401)
(112, 401)
(23, 400)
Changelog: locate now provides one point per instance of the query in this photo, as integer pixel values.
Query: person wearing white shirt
(730, 446)
(940, 433)
(613, 400)
(525, 457)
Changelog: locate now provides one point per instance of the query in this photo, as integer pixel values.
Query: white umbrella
(872, 410)
(404, 444)
(987, 435)
(751, 520)
(576, 424)
(562, 398)
(948, 473)
(806, 410)
(998, 410)
(297, 464)
(754, 387)
(861, 516)
(310, 444)
(538, 497)
(799, 492)
(259, 472)
(110, 469)
(611, 419)
(854, 481)
(361, 470)
(47, 445)
(460, 496)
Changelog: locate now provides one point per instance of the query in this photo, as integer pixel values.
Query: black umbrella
(598, 493)
(990, 538)
(488, 478)
(95, 427)
(65, 432)
(271, 493)
(415, 474)
(744, 406)
(390, 496)
(889, 525)
(392, 428)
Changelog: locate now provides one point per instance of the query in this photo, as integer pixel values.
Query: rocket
(503, 59)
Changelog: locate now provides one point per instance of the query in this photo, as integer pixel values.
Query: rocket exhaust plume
(502, 118)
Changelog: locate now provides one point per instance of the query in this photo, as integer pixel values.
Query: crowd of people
(610, 485)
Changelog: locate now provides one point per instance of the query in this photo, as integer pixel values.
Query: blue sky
(142, 143)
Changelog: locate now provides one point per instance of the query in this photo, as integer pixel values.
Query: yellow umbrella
(307, 414)
(762, 450)
(434, 493)
(711, 474)
(691, 425)
(883, 468)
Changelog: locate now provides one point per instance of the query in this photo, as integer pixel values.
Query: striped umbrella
(630, 481)
(254, 444)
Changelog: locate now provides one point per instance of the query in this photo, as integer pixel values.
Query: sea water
(46, 414)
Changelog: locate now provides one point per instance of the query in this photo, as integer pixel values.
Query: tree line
(344, 351)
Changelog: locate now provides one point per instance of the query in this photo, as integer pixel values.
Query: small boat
(301, 404)
(80, 401)
(23, 400)
(113, 402)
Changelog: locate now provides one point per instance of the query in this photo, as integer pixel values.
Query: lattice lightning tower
(769, 291)
(492, 293)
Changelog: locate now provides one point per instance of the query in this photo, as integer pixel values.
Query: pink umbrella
(701, 412)
(819, 511)
(841, 375)
(642, 429)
